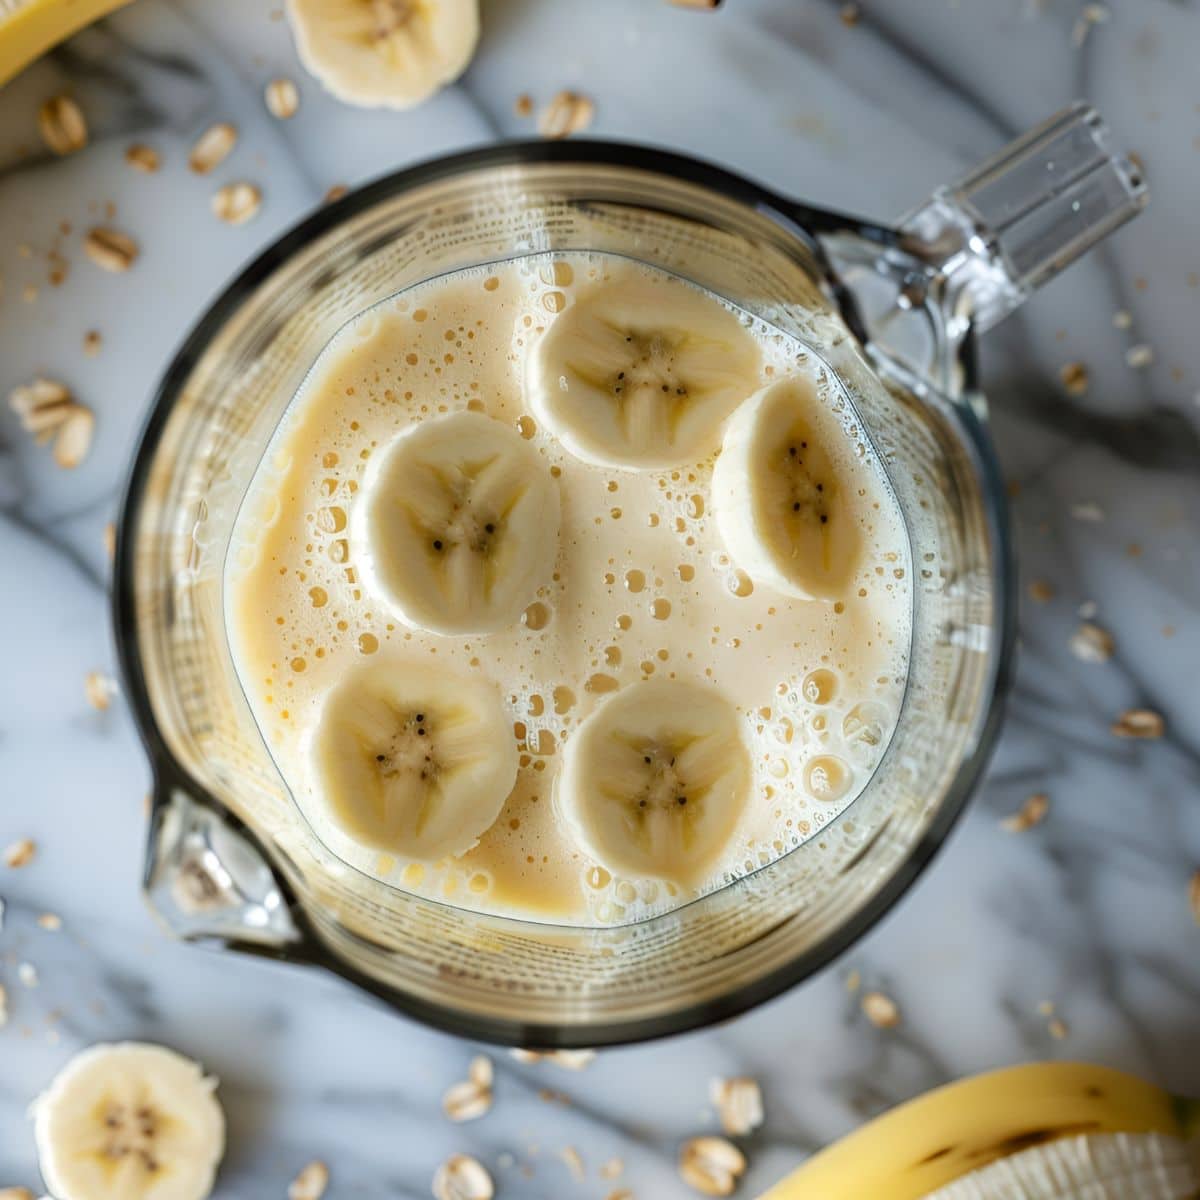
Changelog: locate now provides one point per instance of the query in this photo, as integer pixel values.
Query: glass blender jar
(895, 312)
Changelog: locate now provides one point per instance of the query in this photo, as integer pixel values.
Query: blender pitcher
(894, 312)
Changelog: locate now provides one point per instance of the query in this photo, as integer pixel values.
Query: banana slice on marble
(129, 1121)
(458, 525)
(781, 493)
(412, 760)
(654, 781)
(641, 371)
(384, 53)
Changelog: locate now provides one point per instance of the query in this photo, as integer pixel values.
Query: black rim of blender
(804, 222)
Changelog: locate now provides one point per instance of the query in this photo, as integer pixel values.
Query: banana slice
(384, 53)
(654, 781)
(780, 496)
(459, 525)
(640, 372)
(126, 1121)
(414, 761)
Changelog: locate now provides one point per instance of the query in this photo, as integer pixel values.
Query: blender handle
(207, 878)
(1020, 218)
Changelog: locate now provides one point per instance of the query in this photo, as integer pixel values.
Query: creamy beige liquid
(643, 587)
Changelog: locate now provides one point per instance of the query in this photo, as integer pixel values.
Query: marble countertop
(1089, 910)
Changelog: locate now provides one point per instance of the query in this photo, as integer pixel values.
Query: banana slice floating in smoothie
(780, 497)
(384, 53)
(654, 781)
(126, 1121)
(458, 525)
(641, 371)
(413, 760)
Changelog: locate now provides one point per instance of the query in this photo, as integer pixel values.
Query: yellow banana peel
(937, 1138)
(28, 28)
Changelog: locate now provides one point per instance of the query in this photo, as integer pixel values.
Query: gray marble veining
(1089, 910)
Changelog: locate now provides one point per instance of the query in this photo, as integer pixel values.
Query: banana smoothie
(568, 591)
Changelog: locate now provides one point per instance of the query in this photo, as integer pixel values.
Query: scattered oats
(1087, 610)
(574, 1161)
(20, 854)
(62, 125)
(335, 193)
(212, 147)
(110, 249)
(1046, 1008)
(480, 1071)
(29, 293)
(882, 1011)
(1139, 723)
(3, 1005)
(59, 269)
(1074, 377)
(1057, 1028)
(466, 1101)
(854, 981)
(703, 4)
(236, 203)
(92, 341)
(110, 540)
(1141, 355)
(24, 250)
(99, 689)
(311, 1183)
(74, 438)
(1032, 812)
(739, 1104)
(1194, 895)
(613, 1168)
(282, 98)
(1085, 510)
(50, 921)
(15, 1193)
(143, 158)
(461, 1177)
(1040, 591)
(619, 1194)
(1122, 319)
(571, 1060)
(850, 14)
(27, 974)
(523, 105)
(711, 1165)
(567, 113)
(1089, 15)
(1090, 643)
(43, 407)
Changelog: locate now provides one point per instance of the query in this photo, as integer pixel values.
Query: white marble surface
(1089, 910)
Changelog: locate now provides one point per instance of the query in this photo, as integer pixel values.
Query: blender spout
(207, 880)
(1016, 221)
